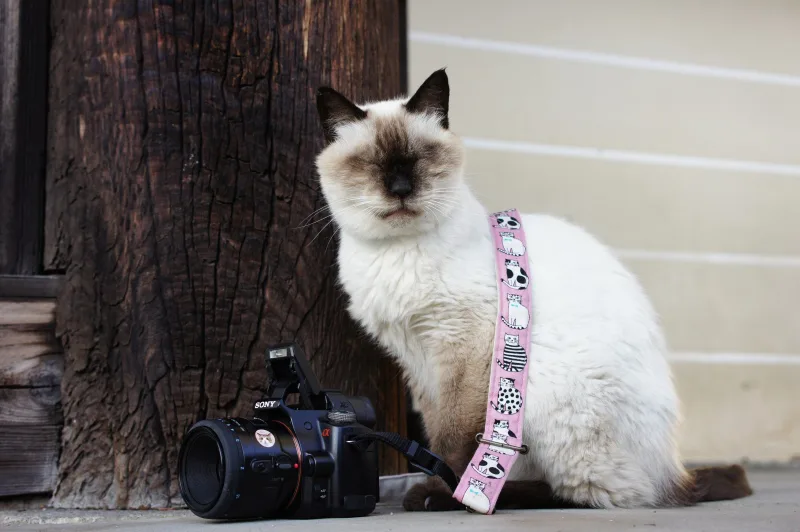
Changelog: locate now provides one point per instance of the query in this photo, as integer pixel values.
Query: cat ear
(335, 110)
(433, 97)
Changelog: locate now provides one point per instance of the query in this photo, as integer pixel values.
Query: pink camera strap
(501, 440)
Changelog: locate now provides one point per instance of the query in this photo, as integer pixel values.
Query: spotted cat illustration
(489, 466)
(509, 399)
(516, 316)
(474, 496)
(516, 277)
(506, 221)
(514, 357)
(511, 245)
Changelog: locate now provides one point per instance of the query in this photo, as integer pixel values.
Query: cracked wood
(181, 153)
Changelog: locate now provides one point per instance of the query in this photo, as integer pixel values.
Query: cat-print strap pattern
(480, 486)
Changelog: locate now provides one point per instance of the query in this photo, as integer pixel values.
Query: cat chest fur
(424, 307)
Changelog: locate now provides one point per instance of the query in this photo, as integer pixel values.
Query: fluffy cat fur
(417, 261)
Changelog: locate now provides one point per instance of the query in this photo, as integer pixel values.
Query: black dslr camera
(301, 461)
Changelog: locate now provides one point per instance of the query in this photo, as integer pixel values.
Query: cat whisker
(347, 208)
(324, 207)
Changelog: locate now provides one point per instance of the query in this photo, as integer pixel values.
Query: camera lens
(238, 468)
(204, 467)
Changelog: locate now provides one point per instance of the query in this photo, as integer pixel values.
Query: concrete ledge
(775, 507)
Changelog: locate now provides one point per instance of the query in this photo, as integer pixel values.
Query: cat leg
(452, 420)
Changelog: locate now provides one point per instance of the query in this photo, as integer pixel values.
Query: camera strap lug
(423, 459)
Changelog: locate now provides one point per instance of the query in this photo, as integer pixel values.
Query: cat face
(477, 483)
(390, 168)
(504, 220)
(501, 424)
(490, 458)
(511, 339)
(506, 383)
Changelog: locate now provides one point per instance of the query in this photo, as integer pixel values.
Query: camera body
(289, 460)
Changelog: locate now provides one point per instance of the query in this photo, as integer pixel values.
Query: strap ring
(520, 449)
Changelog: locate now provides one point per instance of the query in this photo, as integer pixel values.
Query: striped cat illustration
(514, 357)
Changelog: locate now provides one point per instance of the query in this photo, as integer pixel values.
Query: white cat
(474, 496)
(516, 315)
(512, 245)
(417, 261)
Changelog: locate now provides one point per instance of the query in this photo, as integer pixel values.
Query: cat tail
(720, 483)
(716, 483)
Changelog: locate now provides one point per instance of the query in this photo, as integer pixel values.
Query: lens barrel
(231, 468)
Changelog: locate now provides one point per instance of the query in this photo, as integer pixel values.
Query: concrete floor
(775, 506)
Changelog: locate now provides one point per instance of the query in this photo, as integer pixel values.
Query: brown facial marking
(371, 168)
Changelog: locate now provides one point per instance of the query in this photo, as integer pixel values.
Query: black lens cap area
(202, 469)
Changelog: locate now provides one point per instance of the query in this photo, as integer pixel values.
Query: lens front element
(235, 468)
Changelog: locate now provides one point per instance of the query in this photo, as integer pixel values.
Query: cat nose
(399, 186)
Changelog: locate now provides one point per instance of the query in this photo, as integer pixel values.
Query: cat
(509, 399)
(500, 438)
(500, 434)
(416, 259)
(514, 357)
(501, 426)
(474, 496)
(518, 315)
(516, 277)
(511, 245)
(489, 466)
(507, 222)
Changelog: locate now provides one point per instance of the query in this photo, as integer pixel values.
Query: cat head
(477, 483)
(514, 297)
(390, 168)
(511, 339)
(504, 220)
(506, 382)
(490, 457)
(501, 424)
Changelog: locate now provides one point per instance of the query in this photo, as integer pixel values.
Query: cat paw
(430, 497)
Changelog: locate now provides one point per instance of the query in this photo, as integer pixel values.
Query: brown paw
(430, 497)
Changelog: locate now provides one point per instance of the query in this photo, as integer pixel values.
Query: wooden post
(23, 108)
(182, 138)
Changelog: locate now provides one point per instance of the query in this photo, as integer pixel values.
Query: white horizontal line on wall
(599, 58)
(580, 152)
(768, 359)
(738, 259)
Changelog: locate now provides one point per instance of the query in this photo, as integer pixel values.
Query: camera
(299, 460)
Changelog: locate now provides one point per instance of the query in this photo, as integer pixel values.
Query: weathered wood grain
(30, 286)
(27, 312)
(30, 406)
(181, 169)
(23, 126)
(28, 458)
(33, 365)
